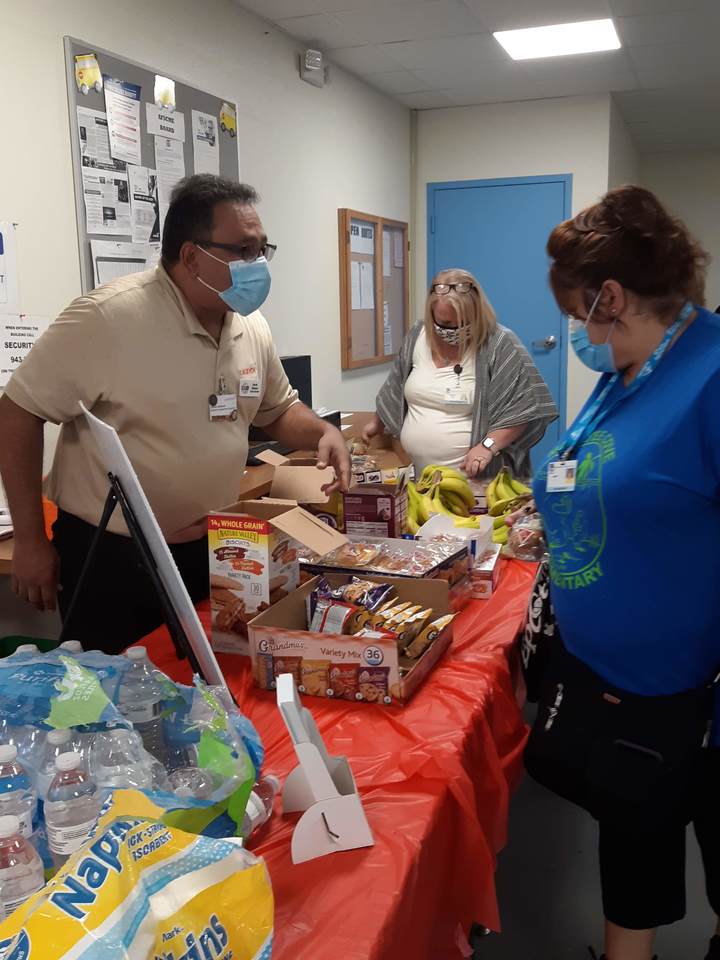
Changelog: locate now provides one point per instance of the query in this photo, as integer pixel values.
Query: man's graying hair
(192, 205)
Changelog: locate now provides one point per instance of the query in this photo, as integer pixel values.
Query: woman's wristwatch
(490, 444)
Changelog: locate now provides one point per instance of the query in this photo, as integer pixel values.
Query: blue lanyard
(590, 419)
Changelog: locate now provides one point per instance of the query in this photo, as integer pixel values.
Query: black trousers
(707, 825)
(118, 604)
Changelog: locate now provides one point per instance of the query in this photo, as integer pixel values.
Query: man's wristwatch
(490, 444)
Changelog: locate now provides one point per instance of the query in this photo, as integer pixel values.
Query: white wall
(689, 184)
(529, 138)
(623, 159)
(308, 151)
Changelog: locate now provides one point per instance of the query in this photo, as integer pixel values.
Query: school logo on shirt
(575, 523)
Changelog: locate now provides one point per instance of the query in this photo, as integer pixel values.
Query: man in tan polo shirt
(180, 361)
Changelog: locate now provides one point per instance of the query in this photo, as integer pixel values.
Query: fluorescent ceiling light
(559, 40)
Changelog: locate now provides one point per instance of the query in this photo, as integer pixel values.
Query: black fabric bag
(620, 755)
(537, 637)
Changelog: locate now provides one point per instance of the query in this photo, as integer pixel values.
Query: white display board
(118, 463)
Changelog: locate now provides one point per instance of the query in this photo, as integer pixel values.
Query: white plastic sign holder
(321, 786)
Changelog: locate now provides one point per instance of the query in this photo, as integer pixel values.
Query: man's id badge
(222, 406)
(248, 382)
(561, 476)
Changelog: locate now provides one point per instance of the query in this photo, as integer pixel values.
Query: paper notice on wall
(206, 147)
(18, 334)
(107, 201)
(387, 329)
(387, 250)
(116, 258)
(122, 105)
(145, 220)
(165, 123)
(9, 294)
(170, 166)
(355, 299)
(95, 140)
(362, 237)
(398, 249)
(367, 286)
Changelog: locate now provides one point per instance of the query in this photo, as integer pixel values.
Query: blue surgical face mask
(597, 356)
(250, 284)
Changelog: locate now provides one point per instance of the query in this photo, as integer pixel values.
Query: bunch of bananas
(504, 495)
(439, 489)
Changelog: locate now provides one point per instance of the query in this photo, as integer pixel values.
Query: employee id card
(222, 406)
(561, 476)
(456, 395)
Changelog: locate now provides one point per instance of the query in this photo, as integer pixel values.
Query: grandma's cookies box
(253, 554)
(342, 667)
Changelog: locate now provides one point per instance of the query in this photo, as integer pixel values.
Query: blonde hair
(476, 317)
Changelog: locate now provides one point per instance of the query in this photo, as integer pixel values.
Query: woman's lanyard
(561, 473)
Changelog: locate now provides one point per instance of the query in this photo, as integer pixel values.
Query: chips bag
(139, 889)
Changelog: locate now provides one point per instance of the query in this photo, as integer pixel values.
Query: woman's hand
(476, 460)
(373, 428)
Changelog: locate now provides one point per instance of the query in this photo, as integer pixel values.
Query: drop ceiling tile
(500, 81)
(278, 9)
(671, 64)
(410, 21)
(583, 74)
(429, 100)
(323, 29)
(660, 28)
(439, 51)
(366, 59)
(398, 81)
(514, 14)
(636, 8)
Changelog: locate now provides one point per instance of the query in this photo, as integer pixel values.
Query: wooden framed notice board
(374, 313)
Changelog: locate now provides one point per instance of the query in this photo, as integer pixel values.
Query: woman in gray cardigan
(463, 390)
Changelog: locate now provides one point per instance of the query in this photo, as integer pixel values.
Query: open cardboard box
(340, 666)
(298, 479)
(253, 558)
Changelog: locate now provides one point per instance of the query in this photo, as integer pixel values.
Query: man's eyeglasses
(248, 254)
(463, 287)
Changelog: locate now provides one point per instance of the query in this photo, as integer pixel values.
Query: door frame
(566, 179)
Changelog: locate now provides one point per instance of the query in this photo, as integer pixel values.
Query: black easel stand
(116, 495)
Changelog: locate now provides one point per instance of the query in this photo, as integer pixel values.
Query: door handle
(549, 343)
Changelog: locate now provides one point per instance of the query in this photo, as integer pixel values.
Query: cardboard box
(254, 562)
(300, 480)
(335, 665)
(486, 572)
(375, 509)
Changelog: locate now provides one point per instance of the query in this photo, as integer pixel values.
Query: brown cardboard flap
(272, 457)
(310, 531)
(300, 483)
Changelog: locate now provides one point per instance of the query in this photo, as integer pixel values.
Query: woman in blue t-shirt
(631, 507)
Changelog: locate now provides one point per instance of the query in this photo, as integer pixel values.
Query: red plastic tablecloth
(435, 779)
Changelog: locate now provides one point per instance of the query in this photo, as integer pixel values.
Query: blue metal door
(497, 229)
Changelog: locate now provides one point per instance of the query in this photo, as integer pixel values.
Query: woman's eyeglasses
(463, 287)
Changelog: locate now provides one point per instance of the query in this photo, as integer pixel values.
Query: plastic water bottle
(71, 646)
(21, 869)
(117, 759)
(17, 797)
(27, 648)
(71, 808)
(56, 742)
(192, 782)
(23, 736)
(260, 804)
(140, 701)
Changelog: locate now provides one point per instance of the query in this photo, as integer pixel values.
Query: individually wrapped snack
(315, 677)
(389, 612)
(371, 635)
(411, 627)
(283, 664)
(332, 616)
(427, 636)
(354, 555)
(373, 684)
(394, 620)
(344, 680)
(323, 590)
(365, 593)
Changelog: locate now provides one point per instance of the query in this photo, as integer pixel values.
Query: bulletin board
(108, 188)
(374, 287)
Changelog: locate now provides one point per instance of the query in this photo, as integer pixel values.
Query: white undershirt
(435, 430)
